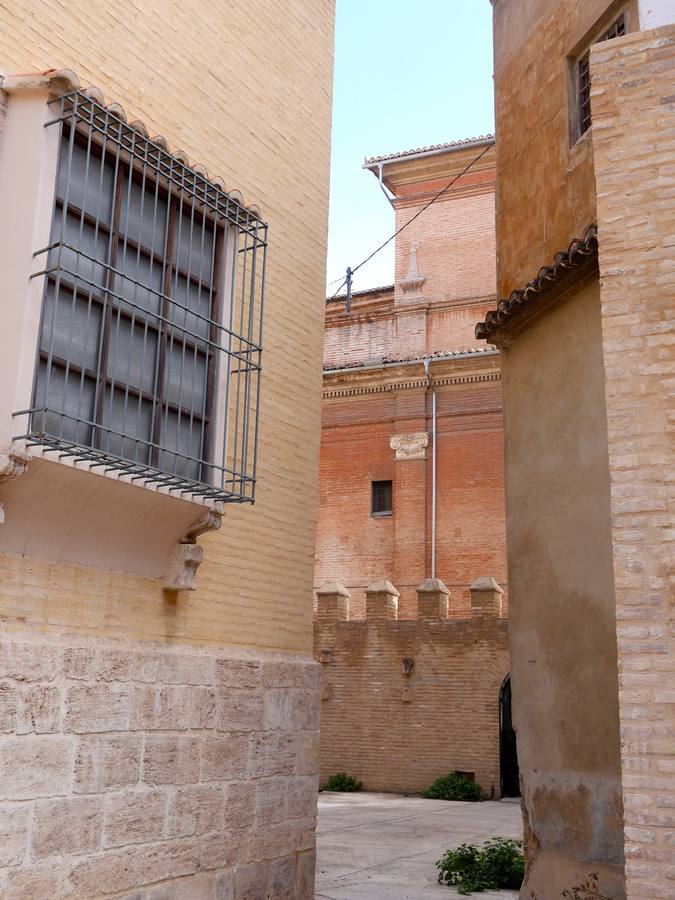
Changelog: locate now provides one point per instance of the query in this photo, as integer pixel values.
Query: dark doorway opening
(508, 753)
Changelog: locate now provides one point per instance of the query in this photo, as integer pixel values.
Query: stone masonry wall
(176, 773)
(633, 102)
(399, 731)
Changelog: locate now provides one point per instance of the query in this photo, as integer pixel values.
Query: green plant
(342, 782)
(453, 787)
(587, 890)
(497, 864)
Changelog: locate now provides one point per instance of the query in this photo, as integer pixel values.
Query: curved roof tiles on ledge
(579, 252)
(61, 82)
(432, 148)
(340, 298)
(395, 361)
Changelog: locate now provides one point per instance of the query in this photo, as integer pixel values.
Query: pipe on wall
(432, 387)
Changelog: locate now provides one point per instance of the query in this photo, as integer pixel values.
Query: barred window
(616, 29)
(150, 339)
(381, 498)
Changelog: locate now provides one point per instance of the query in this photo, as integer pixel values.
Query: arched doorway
(508, 753)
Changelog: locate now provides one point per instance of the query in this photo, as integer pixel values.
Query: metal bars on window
(381, 498)
(616, 29)
(148, 360)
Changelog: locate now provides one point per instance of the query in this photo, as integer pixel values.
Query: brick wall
(163, 758)
(361, 412)
(211, 86)
(399, 732)
(122, 768)
(456, 238)
(634, 145)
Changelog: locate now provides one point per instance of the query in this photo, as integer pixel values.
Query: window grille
(616, 29)
(150, 338)
(381, 498)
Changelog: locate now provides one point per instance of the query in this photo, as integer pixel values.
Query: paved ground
(385, 847)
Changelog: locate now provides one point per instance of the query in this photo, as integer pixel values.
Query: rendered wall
(634, 118)
(563, 646)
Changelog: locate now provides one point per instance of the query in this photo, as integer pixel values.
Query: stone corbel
(13, 463)
(187, 555)
(413, 281)
(410, 446)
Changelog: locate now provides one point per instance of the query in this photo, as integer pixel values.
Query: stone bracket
(187, 555)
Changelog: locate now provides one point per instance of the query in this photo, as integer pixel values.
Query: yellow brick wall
(634, 121)
(400, 732)
(227, 85)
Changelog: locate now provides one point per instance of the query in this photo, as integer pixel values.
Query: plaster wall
(561, 584)
(212, 88)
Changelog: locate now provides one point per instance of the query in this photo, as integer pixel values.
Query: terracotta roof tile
(393, 360)
(579, 252)
(432, 148)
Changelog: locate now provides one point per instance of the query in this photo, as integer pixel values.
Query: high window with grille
(150, 338)
(583, 74)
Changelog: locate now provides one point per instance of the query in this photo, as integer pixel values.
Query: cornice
(396, 378)
(342, 318)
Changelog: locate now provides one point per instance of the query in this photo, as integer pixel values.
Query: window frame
(580, 56)
(374, 486)
(210, 446)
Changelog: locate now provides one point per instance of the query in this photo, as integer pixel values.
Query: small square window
(381, 498)
(582, 74)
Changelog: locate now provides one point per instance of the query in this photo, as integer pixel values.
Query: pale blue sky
(406, 75)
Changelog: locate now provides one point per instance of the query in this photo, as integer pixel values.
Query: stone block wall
(634, 146)
(171, 773)
(405, 702)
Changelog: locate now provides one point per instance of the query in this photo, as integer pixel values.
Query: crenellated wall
(404, 702)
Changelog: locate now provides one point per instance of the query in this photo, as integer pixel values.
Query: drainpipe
(432, 387)
(382, 187)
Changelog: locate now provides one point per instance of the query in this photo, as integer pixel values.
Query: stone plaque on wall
(410, 446)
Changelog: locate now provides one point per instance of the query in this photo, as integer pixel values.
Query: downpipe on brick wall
(432, 387)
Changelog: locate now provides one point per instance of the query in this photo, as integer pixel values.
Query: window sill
(382, 515)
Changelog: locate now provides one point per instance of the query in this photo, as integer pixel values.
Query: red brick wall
(357, 548)
(456, 237)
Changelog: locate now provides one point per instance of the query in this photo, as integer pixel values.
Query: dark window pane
(381, 501)
(63, 404)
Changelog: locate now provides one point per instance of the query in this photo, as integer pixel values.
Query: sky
(406, 75)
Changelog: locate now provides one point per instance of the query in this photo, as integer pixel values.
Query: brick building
(403, 377)
(585, 178)
(375, 483)
(158, 697)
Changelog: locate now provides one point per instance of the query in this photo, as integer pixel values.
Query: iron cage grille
(149, 352)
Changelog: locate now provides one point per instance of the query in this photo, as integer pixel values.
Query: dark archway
(508, 753)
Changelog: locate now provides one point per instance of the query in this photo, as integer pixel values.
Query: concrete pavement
(385, 847)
